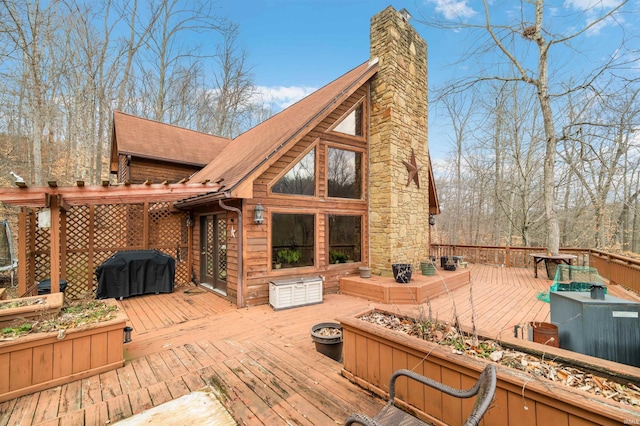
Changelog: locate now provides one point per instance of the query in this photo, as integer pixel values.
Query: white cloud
(281, 97)
(593, 10)
(590, 4)
(453, 9)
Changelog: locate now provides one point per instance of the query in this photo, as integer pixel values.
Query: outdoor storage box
(292, 292)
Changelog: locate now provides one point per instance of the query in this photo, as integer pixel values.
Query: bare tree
(509, 44)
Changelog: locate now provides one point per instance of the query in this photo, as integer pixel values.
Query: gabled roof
(255, 150)
(150, 139)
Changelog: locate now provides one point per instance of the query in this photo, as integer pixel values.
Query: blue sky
(297, 46)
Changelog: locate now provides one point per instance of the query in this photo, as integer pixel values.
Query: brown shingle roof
(154, 140)
(254, 148)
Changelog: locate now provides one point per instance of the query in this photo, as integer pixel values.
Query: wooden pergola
(35, 243)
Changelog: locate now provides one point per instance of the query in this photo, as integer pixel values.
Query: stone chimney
(399, 208)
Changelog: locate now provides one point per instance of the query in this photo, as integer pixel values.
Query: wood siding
(258, 270)
(139, 170)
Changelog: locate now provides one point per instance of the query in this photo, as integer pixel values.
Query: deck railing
(617, 269)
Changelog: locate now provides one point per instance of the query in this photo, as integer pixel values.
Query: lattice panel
(183, 277)
(165, 227)
(135, 225)
(115, 228)
(78, 228)
(109, 226)
(77, 276)
(42, 239)
(42, 267)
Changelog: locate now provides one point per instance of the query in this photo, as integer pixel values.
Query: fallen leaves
(461, 344)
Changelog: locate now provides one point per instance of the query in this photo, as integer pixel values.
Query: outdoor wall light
(432, 219)
(258, 214)
(127, 334)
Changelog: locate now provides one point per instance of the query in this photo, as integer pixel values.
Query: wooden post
(22, 251)
(145, 227)
(91, 248)
(54, 233)
(507, 260)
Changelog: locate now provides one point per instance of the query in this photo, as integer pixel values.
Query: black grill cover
(130, 273)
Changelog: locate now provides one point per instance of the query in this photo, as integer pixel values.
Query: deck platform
(263, 362)
(419, 290)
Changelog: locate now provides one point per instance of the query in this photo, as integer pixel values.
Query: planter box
(371, 353)
(39, 361)
(52, 305)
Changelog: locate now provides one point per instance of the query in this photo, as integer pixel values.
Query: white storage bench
(293, 292)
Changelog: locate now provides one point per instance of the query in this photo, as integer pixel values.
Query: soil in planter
(75, 314)
(464, 344)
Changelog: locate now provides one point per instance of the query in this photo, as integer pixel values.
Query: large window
(352, 123)
(344, 173)
(301, 179)
(292, 240)
(345, 238)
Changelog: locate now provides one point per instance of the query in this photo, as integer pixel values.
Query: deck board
(262, 362)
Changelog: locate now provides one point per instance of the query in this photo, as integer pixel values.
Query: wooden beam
(38, 196)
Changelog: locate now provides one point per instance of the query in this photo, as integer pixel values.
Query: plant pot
(328, 344)
(401, 272)
(365, 272)
(545, 333)
(428, 268)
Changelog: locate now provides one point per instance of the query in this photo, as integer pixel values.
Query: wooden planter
(39, 361)
(371, 353)
(52, 305)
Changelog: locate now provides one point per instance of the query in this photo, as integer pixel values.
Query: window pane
(345, 238)
(292, 239)
(301, 179)
(344, 173)
(352, 123)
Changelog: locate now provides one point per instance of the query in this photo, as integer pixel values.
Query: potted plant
(288, 256)
(327, 337)
(427, 267)
(337, 257)
(401, 272)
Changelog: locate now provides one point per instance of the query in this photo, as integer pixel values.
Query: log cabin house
(339, 180)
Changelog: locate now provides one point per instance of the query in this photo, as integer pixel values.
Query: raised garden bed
(38, 361)
(371, 353)
(29, 308)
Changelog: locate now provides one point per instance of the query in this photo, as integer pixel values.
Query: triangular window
(352, 123)
(300, 179)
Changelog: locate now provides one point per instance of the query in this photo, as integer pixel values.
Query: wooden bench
(391, 415)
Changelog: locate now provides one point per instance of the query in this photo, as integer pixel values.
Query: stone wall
(399, 214)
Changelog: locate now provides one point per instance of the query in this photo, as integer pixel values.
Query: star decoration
(413, 169)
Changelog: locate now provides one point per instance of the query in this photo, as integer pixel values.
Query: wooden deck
(419, 290)
(262, 360)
